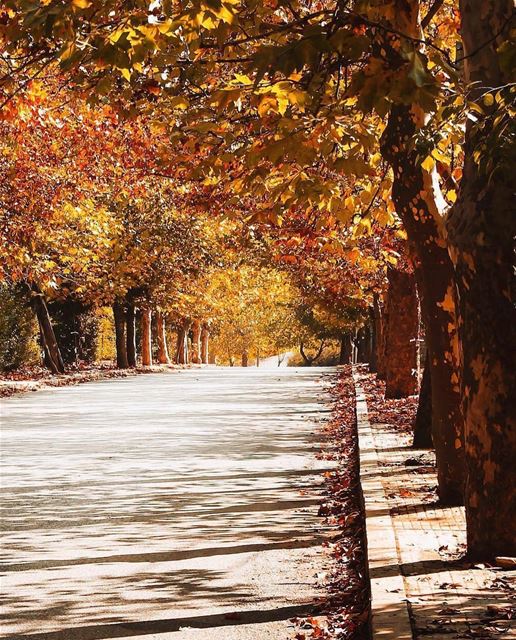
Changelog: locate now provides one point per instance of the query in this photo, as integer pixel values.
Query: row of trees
(345, 125)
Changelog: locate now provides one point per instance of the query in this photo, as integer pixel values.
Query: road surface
(164, 506)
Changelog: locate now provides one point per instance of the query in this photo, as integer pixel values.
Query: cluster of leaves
(271, 112)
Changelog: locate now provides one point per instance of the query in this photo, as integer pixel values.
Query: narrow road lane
(179, 505)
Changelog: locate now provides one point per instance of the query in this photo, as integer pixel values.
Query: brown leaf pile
(348, 604)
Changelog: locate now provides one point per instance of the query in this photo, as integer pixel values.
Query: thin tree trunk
(373, 343)
(345, 349)
(378, 336)
(402, 333)
(245, 359)
(121, 344)
(163, 357)
(182, 356)
(481, 228)
(146, 328)
(205, 339)
(52, 354)
(258, 358)
(364, 344)
(414, 196)
(131, 334)
(423, 421)
(309, 361)
(196, 342)
(180, 345)
(306, 359)
(382, 342)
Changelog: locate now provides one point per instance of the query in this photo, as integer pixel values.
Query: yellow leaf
(428, 164)
(81, 4)
(452, 195)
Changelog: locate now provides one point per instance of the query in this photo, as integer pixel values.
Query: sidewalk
(420, 586)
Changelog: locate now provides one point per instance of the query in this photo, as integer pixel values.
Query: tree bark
(401, 338)
(481, 228)
(52, 354)
(306, 359)
(345, 349)
(182, 355)
(415, 199)
(131, 334)
(363, 342)
(382, 341)
(373, 338)
(309, 361)
(196, 342)
(378, 332)
(245, 359)
(205, 339)
(163, 357)
(120, 338)
(423, 421)
(146, 327)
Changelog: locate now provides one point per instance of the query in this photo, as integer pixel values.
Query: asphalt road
(177, 505)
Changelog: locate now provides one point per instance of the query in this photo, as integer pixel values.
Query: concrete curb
(390, 613)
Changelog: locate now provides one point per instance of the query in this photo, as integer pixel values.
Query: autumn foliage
(255, 175)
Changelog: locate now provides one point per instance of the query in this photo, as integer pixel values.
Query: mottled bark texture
(415, 199)
(120, 336)
(402, 332)
(161, 335)
(481, 228)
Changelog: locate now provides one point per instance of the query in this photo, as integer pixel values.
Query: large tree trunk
(415, 199)
(121, 344)
(163, 357)
(245, 359)
(402, 333)
(481, 228)
(146, 337)
(423, 421)
(205, 339)
(131, 334)
(52, 354)
(196, 342)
